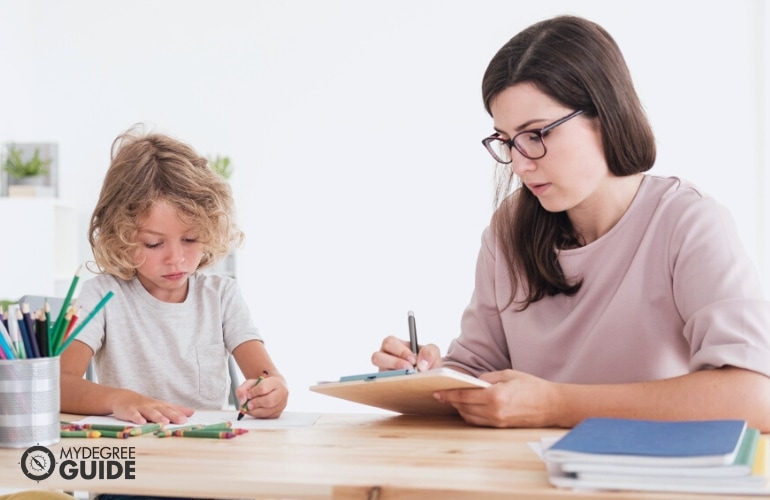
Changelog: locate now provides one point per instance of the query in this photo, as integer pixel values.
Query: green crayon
(144, 429)
(80, 434)
(105, 427)
(213, 434)
(115, 434)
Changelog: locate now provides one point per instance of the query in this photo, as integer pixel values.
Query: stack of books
(709, 456)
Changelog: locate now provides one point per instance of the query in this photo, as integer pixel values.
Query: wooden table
(342, 456)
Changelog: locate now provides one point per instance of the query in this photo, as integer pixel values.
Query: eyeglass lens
(528, 144)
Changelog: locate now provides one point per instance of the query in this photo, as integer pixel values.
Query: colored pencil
(47, 313)
(85, 321)
(6, 343)
(41, 332)
(27, 316)
(54, 338)
(18, 345)
(25, 335)
(72, 319)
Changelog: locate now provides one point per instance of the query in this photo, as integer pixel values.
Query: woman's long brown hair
(578, 64)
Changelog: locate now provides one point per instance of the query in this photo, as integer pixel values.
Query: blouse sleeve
(481, 346)
(717, 291)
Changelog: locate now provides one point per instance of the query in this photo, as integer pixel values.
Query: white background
(354, 128)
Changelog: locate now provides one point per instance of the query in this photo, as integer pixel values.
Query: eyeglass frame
(511, 143)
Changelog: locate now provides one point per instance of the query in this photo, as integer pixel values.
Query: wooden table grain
(342, 456)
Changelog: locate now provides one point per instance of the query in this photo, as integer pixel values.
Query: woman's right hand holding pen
(396, 354)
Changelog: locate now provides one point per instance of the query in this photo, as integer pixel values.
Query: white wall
(355, 132)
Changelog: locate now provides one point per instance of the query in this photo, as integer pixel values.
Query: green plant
(17, 167)
(221, 165)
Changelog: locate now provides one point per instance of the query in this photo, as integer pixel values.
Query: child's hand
(266, 399)
(141, 409)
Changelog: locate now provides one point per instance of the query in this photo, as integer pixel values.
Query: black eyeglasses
(529, 143)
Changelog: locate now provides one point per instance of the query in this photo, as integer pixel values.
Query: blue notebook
(647, 442)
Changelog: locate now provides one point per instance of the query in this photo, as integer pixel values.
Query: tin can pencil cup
(29, 402)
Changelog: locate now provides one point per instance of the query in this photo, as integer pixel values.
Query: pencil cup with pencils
(29, 402)
(30, 347)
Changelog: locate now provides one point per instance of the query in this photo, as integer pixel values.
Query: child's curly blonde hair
(147, 168)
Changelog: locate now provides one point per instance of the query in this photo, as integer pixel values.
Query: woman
(600, 290)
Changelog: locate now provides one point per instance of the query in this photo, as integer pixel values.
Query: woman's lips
(538, 188)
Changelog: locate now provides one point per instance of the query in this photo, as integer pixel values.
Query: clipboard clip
(369, 377)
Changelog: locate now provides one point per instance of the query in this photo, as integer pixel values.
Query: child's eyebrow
(148, 232)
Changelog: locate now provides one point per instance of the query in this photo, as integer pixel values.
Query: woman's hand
(515, 399)
(396, 354)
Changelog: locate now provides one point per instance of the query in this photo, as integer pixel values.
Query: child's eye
(151, 245)
(190, 240)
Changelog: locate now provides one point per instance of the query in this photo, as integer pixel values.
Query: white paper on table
(287, 420)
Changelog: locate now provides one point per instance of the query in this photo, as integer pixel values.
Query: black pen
(413, 333)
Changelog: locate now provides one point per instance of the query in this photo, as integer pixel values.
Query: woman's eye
(532, 137)
(151, 245)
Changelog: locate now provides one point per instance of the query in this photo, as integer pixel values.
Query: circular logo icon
(38, 463)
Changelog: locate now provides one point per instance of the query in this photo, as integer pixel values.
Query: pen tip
(240, 415)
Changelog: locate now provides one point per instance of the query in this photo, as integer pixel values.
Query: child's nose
(175, 253)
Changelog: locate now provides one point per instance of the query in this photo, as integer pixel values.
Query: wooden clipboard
(407, 393)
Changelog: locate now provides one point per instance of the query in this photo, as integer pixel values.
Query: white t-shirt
(174, 352)
(669, 290)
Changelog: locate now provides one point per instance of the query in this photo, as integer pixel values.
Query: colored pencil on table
(54, 337)
(27, 317)
(83, 323)
(2, 318)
